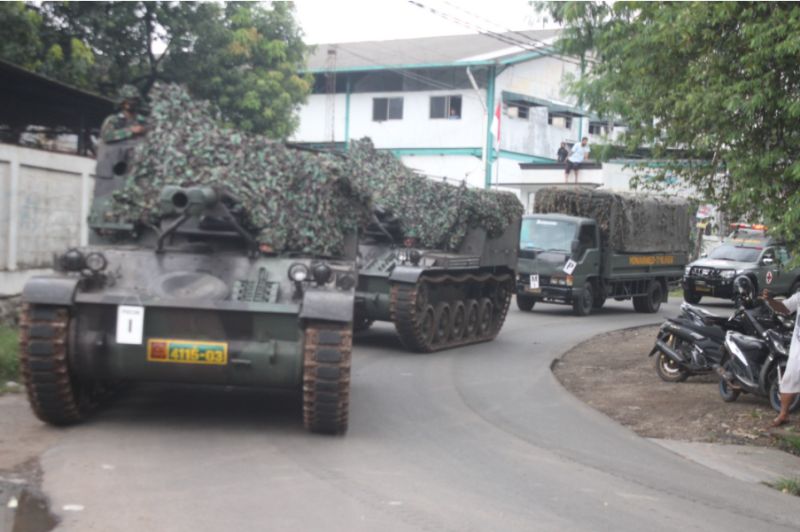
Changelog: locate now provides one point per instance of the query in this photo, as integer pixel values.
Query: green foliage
(788, 485)
(711, 87)
(242, 56)
(9, 362)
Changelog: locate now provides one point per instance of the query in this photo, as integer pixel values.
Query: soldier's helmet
(128, 93)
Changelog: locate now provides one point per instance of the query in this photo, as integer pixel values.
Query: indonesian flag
(495, 128)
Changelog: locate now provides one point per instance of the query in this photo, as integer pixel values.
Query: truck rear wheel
(582, 305)
(525, 303)
(651, 301)
(56, 395)
(326, 376)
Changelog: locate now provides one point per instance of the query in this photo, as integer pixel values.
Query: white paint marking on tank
(72, 507)
(13, 503)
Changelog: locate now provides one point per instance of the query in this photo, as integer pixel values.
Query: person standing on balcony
(578, 154)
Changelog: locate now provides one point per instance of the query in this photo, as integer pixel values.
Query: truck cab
(559, 261)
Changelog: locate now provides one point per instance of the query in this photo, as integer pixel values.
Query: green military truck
(752, 253)
(584, 246)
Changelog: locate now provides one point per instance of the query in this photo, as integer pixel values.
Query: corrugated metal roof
(431, 51)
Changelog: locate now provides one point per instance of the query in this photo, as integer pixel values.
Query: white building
(426, 100)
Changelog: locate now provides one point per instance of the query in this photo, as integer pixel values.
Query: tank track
(326, 376)
(411, 313)
(55, 395)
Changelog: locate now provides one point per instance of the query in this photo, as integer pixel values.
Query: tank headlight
(298, 272)
(73, 260)
(322, 273)
(96, 262)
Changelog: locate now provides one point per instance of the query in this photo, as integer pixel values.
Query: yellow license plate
(533, 290)
(187, 352)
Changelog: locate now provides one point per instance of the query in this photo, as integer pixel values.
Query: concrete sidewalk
(743, 462)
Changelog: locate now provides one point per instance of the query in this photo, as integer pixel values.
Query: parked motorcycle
(692, 343)
(754, 364)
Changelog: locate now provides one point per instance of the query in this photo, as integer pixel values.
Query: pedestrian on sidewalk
(790, 381)
(562, 153)
(579, 154)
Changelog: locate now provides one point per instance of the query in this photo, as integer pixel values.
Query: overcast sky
(335, 21)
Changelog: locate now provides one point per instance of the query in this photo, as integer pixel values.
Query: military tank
(437, 299)
(191, 299)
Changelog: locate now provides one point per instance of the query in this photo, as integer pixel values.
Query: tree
(242, 56)
(713, 89)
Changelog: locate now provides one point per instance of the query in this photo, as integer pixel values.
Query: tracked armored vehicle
(436, 299)
(190, 300)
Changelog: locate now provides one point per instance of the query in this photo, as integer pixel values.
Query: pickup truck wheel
(650, 302)
(582, 305)
(525, 303)
(690, 297)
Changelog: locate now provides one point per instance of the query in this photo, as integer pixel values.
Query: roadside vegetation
(788, 485)
(9, 365)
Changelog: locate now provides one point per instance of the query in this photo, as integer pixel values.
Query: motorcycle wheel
(667, 369)
(775, 394)
(727, 393)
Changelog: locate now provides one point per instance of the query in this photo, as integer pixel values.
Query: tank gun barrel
(192, 200)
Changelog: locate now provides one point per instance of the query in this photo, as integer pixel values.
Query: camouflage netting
(294, 200)
(628, 223)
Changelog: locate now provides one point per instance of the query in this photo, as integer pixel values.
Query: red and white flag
(495, 128)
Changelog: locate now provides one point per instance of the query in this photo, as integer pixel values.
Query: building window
(522, 112)
(387, 109)
(517, 111)
(597, 128)
(559, 121)
(446, 107)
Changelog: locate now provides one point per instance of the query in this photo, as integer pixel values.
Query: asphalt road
(478, 438)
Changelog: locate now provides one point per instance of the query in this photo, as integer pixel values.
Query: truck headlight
(687, 271)
(727, 274)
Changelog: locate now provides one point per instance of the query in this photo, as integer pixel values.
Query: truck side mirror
(767, 260)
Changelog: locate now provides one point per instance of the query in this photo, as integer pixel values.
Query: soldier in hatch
(128, 123)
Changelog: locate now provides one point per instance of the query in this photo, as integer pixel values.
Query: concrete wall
(44, 204)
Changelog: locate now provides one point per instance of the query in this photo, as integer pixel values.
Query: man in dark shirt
(562, 152)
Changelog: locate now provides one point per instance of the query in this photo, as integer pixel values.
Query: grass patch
(788, 485)
(9, 362)
(793, 442)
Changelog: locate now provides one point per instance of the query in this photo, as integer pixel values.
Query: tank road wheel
(459, 322)
(413, 316)
(472, 318)
(443, 325)
(55, 394)
(326, 376)
(485, 311)
(583, 304)
(525, 303)
(502, 300)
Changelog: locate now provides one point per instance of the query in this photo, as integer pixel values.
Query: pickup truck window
(546, 235)
(735, 253)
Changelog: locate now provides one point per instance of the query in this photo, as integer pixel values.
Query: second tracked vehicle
(436, 299)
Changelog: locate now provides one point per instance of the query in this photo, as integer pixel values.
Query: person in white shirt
(578, 154)
(790, 381)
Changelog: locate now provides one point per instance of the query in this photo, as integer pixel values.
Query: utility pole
(330, 99)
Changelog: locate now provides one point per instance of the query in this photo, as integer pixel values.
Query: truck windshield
(546, 235)
(735, 253)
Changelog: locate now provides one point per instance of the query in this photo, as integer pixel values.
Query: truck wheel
(690, 297)
(582, 305)
(650, 302)
(599, 300)
(326, 377)
(525, 303)
(56, 395)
